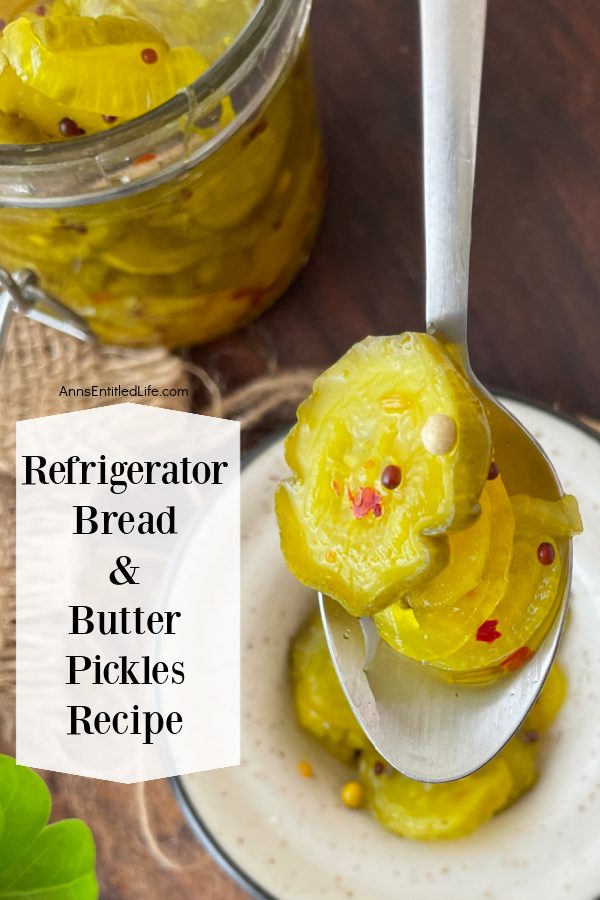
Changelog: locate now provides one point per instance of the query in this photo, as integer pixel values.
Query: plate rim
(198, 827)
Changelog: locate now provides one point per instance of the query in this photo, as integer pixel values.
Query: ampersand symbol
(124, 568)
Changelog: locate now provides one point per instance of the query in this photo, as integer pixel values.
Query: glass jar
(188, 221)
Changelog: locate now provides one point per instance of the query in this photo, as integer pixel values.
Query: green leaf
(25, 807)
(40, 861)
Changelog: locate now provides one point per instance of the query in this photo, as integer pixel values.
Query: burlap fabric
(39, 361)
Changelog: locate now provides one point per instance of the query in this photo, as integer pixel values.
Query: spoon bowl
(425, 727)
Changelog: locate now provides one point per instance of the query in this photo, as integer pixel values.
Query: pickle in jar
(203, 252)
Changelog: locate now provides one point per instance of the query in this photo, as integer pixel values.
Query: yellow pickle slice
(321, 707)
(429, 632)
(110, 65)
(390, 453)
(409, 808)
(495, 627)
(517, 625)
(429, 812)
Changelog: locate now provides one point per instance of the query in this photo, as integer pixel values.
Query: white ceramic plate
(290, 838)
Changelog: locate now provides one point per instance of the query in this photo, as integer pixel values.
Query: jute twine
(37, 363)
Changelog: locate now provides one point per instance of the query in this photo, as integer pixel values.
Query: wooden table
(535, 318)
(535, 272)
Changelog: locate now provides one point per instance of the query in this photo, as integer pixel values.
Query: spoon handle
(452, 37)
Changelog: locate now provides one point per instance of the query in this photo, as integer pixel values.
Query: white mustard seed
(439, 434)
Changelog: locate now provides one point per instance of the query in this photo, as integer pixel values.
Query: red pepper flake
(40, 10)
(493, 471)
(546, 553)
(149, 55)
(144, 158)
(487, 632)
(369, 464)
(379, 767)
(529, 737)
(69, 128)
(110, 119)
(335, 487)
(364, 501)
(517, 659)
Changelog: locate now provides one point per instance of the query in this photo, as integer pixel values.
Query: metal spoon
(425, 727)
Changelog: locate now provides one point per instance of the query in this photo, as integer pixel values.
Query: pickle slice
(342, 532)
(210, 26)
(256, 152)
(97, 65)
(469, 552)
(38, 113)
(548, 704)
(321, 706)
(410, 808)
(430, 812)
(136, 253)
(521, 759)
(520, 754)
(527, 609)
(562, 519)
(429, 633)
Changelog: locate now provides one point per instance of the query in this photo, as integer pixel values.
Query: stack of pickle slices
(397, 509)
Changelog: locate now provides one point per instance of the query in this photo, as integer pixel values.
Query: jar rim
(25, 168)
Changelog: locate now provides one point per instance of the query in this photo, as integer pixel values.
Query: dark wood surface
(535, 315)
(535, 273)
